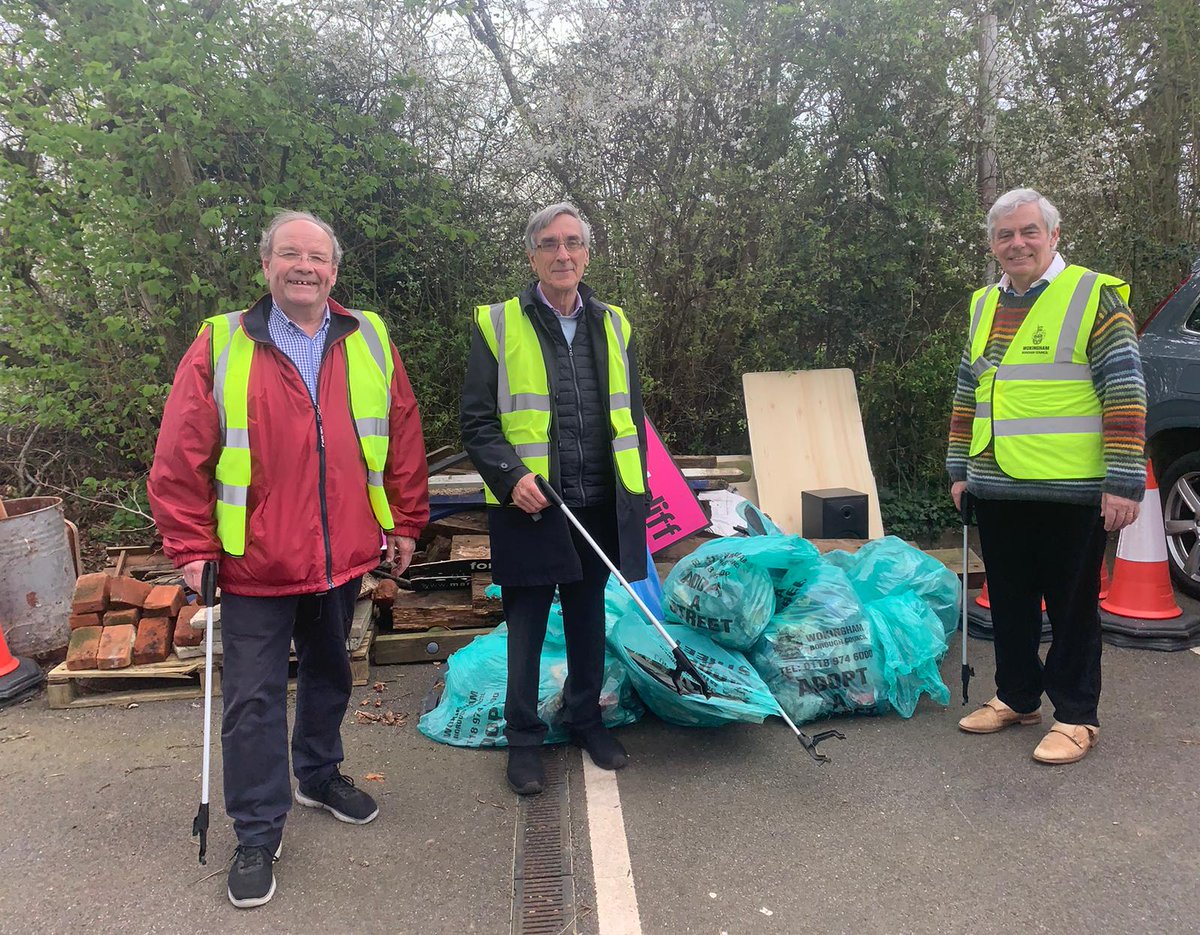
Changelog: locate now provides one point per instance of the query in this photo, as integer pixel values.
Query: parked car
(1170, 345)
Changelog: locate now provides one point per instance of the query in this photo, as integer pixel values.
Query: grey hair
(1009, 202)
(540, 220)
(286, 217)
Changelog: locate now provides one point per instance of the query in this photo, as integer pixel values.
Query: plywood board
(806, 434)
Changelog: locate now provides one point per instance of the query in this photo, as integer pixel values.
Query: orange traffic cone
(984, 601)
(1105, 583)
(17, 676)
(8, 662)
(1141, 581)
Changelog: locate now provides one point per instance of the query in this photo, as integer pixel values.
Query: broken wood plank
(450, 609)
(474, 546)
(465, 523)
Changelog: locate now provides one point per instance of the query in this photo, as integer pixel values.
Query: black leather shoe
(525, 772)
(604, 749)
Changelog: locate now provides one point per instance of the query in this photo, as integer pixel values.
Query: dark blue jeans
(256, 635)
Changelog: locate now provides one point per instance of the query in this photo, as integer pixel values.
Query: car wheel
(1180, 491)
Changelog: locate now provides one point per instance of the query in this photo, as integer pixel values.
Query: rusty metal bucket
(38, 580)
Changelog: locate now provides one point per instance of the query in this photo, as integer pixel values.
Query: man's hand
(1118, 512)
(956, 492)
(192, 572)
(527, 496)
(400, 552)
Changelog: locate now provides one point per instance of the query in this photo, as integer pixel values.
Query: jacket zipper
(321, 461)
(579, 413)
(324, 502)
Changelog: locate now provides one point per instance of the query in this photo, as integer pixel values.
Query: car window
(1193, 322)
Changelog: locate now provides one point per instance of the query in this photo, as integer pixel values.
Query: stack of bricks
(118, 622)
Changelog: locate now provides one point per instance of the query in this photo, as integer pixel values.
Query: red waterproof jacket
(309, 523)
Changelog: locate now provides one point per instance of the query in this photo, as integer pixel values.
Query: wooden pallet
(425, 646)
(170, 680)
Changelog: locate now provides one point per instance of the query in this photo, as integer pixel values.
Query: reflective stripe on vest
(369, 369)
(1038, 408)
(523, 391)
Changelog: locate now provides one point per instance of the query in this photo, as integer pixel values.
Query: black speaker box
(834, 513)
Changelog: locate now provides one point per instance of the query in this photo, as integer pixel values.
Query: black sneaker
(339, 796)
(252, 875)
(604, 749)
(525, 772)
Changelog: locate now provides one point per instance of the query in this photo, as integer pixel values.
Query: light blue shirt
(303, 351)
(568, 323)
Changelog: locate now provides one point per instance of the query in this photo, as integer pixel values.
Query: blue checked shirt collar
(303, 351)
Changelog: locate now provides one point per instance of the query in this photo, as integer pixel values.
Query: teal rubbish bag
(909, 642)
(727, 587)
(890, 565)
(738, 693)
(817, 655)
(754, 521)
(470, 712)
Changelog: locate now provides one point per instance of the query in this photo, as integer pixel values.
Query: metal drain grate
(543, 882)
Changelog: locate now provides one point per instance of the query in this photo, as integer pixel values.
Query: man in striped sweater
(1047, 446)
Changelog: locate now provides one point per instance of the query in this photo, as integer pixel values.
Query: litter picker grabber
(967, 671)
(208, 595)
(683, 665)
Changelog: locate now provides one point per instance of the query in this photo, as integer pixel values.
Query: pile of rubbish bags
(768, 621)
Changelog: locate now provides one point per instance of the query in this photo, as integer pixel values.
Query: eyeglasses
(550, 245)
(315, 259)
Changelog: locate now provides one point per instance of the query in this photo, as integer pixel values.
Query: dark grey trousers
(526, 610)
(256, 634)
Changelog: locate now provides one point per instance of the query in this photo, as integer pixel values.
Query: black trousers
(526, 610)
(1053, 550)
(256, 635)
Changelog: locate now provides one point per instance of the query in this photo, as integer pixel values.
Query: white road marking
(616, 900)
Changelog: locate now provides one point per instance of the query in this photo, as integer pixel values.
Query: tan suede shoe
(996, 715)
(1066, 743)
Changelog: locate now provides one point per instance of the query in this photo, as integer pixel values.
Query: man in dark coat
(552, 390)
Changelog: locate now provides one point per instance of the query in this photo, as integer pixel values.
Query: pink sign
(674, 510)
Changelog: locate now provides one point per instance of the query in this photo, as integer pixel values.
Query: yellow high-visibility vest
(369, 368)
(523, 391)
(1038, 407)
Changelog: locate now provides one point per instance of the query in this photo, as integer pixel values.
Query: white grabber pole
(208, 594)
(682, 663)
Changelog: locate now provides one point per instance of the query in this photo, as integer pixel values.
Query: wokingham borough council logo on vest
(1039, 340)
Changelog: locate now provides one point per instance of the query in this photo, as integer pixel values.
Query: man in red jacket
(290, 450)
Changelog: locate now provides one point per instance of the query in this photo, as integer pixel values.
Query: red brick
(116, 647)
(91, 594)
(164, 600)
(125, 617)
(85, 643)
(128, 592)
(84, 620)
(153, 643)
(385, 593)
(184, 634)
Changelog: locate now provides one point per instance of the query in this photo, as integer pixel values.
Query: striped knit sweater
(1117, 375)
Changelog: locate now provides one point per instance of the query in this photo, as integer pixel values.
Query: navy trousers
(256, 635)
(526, 610)
(1054, 550)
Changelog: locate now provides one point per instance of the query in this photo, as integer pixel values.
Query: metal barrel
(38, 579)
